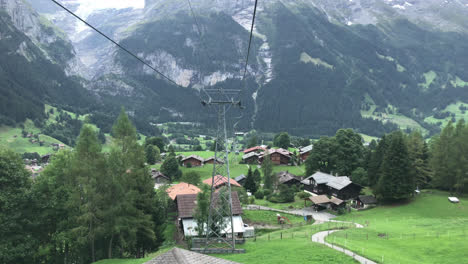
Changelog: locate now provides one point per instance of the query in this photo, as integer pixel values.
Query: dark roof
(186, 204)
(367, 199)
(182, 256)
(240, 178)
(321, 177)
(218, 160)
(250, 154)
(156, 174)
(339, 183)
(284, 176)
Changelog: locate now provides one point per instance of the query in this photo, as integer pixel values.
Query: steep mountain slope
(316, 65)
(35, 63)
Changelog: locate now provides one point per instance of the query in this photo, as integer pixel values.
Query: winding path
(320, 218)
(320, 238)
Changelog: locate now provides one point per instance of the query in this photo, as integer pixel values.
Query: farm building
(182, 188)
(278, 156)
(343, 188)
(251, 158)
(187, 204)
(194, 160)
(211, 160)
(256, 149)
(240, 179)
(304, 152)
(317, 183)
(365, 201)
(159, 178)
(284, 177)
(320, 202)
(221, 181)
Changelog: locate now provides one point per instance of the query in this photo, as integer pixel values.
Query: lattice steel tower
(220, 235)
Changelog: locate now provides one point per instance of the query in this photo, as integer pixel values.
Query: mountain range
(315, 65)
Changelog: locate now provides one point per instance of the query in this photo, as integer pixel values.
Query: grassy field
(298, 204)
(269, 218)
(288, 246)
(429, 77)
(12, 138)
(452, 108)
(458, 82)
(427, 230)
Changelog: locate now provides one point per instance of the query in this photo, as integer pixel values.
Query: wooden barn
(211, 160)
(365, 201)
(256, 149)
(241, 179)
(278, 156)
(251, 158)
(159, 178)
(284, 177)
(194, 160)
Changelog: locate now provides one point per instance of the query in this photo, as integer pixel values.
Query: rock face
(328, 64)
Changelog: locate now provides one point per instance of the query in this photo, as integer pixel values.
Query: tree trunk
(65, 260)
(93, 257)
(109, 253)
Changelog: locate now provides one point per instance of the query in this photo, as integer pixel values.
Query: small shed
(289, 179)
(241, 179)
(158, 177)
(320, 202)
(365, 201)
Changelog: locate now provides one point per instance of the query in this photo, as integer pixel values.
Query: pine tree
(395, 182)
(250, 183)
(419, 158)
(257, 177)
(268, 176)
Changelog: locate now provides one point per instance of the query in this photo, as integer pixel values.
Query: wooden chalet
(317, 182)
(305, 151)
(221, 181)
(284, 177)
(278, 156)
(211, 160)
(159, 178)
(343, 188)
(194, 160)
(187, 204)
(251, 158)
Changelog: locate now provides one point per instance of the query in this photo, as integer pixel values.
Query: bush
(259, 195)
(303, 195)
(251, 200)
(267, 192)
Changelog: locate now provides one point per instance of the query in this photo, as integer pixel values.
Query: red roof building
(182, 188)
(256, 149)
(221, 181)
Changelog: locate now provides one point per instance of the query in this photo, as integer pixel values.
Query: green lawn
(269, 217)
(452, 108)
(430, 229)
(298, 204)
(295, 246)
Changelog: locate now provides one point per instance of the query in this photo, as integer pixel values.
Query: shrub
(303, 195)
(267, 192)
(251, 200)
(259, 195)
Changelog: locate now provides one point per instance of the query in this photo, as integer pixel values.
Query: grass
(458, 82)
(368, 138)
(298, 204)
(306, 58)
(12, 138)
(451, 108)
(269, 218)
(294, 247)
(427, 230)
(429, 77)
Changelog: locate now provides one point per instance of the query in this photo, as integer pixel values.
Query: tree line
(85, 206)
(398, 164)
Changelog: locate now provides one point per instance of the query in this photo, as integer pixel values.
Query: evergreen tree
(268, 176)
(257, 177)
(349, 151)
(419, 158)
(16, 242)
(250, 183)
(170, 167)
(152, 154)
(322, 157)
(395, 181)
(443, 159)
(375, 162)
